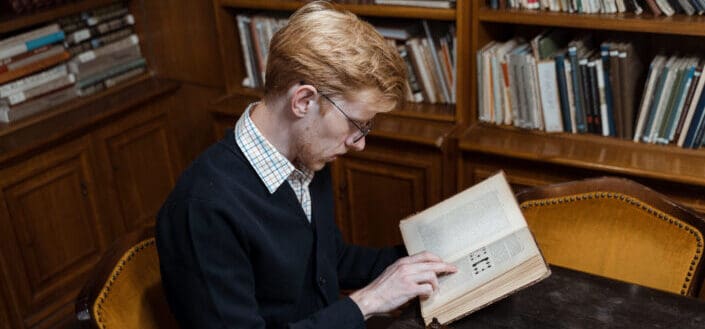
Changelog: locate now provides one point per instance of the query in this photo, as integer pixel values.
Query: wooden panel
(142, 167)
(609, 155)
(179, 39)
(54, 233)
(382, 185)
(190, 121)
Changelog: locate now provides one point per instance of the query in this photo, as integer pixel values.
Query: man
(247, 239)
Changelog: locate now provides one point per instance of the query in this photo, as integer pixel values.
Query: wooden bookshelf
(11, 22)
(78, 114)
(234, 68)
(362, 10)
(535, 158)
(644, 23)
(609, 155)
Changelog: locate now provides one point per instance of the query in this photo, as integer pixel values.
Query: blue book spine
(577, 80)
(563, 92)
(45, 40)
(696, 124)
(605, 55)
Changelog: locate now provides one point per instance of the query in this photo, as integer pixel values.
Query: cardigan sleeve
(208, 277)
(358, 266)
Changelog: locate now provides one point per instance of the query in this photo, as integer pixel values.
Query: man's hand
(408, 277)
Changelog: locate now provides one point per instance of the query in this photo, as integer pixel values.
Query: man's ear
(303, 97)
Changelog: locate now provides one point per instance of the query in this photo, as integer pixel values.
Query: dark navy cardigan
(232, 255)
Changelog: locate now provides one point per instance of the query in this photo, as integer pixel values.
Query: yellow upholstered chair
(619, 229)
(125, 290)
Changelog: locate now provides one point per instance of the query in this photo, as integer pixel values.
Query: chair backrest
(125, 290)
(619, 229)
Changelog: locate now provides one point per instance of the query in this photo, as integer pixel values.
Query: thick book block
(483, 233)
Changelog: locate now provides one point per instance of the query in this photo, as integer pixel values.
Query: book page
(481, 266)
(465, 222)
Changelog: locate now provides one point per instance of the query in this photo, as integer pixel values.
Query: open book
(484, 234)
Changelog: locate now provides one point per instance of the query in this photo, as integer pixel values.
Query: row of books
(556, 83)
(418, 3)
(428, 50)
(75, 56)
(25, 6)
(255, 32)
(655, 7)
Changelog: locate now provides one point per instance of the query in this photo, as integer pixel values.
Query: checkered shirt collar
(272, 167)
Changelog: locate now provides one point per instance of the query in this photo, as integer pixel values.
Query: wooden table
(571, 299)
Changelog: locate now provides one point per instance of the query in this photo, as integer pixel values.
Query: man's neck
(273, 128)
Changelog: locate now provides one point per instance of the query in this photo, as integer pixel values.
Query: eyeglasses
(363, 127)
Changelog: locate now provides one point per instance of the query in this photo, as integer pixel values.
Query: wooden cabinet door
(51, 234)
(378, 187)
(139, 161)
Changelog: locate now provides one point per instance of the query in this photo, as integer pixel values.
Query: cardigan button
(321, 281)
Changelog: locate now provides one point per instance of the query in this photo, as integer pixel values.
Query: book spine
(111, 37)
(41, 90)
(37, 105)
(563, 92)
(53, 51)
(691, 99)
(605, 55)
(34, 67)
(576, 80)
(111, 72)
(5, 63)
(110, 82)
(24, 37)
(107, 49)
(32, 80)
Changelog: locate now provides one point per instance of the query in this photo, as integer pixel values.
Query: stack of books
(104, 46)
(655, 7)
(75, 56)
(33, 73)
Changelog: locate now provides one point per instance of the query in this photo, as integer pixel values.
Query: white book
(243, 23)
(550, 103)
(604, 116)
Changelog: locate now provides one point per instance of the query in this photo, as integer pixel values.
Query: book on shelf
(484, 234)
(79, 54)
(428, 49)
(636, 7)
(419, 3)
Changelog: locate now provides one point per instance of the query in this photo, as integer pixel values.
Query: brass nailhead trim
(636, 202)
(103, 295)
